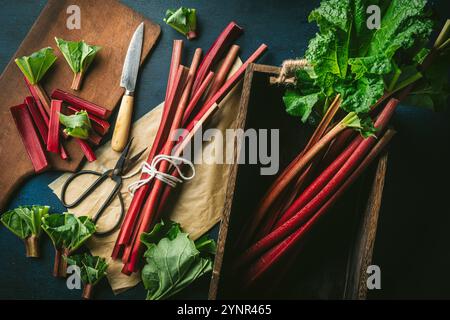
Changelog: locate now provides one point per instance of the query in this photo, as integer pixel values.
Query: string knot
(153, 173)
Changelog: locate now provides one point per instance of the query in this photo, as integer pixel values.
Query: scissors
(122, 165)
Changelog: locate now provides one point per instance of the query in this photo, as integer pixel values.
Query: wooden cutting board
(106, 23)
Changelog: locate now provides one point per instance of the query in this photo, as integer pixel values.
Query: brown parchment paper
(197, 204)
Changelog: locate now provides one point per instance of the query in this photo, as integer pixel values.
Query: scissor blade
(118, 169)
(132, 161)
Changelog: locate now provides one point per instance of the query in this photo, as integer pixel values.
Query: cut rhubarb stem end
(77, 79)
(32, 247)
(87, 291)
(57, 263)
(191, 35)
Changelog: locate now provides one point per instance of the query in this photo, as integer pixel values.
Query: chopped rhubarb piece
(30, 138)
(99, 125)
(94, 138)
(42, 109)
(87, 150)
(81, 104)
(41, 125)
(53, 127)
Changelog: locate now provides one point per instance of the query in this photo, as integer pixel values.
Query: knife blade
(132, 60)
(128, 81)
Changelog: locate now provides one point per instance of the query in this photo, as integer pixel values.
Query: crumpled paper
(197, 204)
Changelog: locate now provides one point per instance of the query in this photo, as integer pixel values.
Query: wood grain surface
(106, 23)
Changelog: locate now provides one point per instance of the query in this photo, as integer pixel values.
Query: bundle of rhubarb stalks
(385, 67)
(38, 118)
(192, 97)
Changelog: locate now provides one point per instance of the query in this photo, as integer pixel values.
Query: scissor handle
(88, 191)
(101, 178)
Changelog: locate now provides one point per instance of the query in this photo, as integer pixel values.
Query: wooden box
(333, 264)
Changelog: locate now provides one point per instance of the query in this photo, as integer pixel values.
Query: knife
(128, 81)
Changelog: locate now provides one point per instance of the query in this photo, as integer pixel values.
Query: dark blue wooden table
(413, 238)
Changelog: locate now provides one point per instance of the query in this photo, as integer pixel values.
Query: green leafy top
(25, 221)
(68, 231)
(346, 57)
(77, 125)
(36, 65)
(173, 260)
(184, 20)
(79, 55)
(92, 268)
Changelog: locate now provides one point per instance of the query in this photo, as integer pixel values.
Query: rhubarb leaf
(92, 268)
(79, 55)
(77, 125)
(184, 20)
(36, 65)
(378, 64)
(68, 231)
(174, 261)
(361, 94)
(299, 105)
(403, 24)
(25, 221)
(359, 64)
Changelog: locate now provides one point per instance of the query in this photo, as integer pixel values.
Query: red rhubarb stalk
(30, 138)
(94, 138)
(53, 127)
(284, 249)
(41, 125)
(87, 150)
(279, 234)
(196, 98)
(81, 104)
(177, 49)
(223, 71)
(99, 125)
(43, 111)
(216, 51)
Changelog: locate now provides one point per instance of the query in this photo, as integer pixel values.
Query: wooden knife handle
(123, 123)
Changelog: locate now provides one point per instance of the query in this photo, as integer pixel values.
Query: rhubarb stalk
(53, 127)
(223, 71)
(81, 104)
(30, 138)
